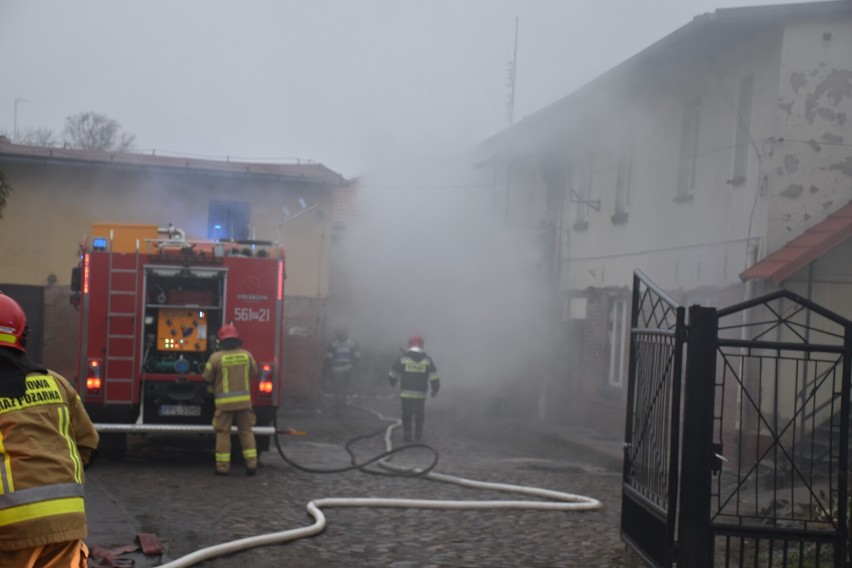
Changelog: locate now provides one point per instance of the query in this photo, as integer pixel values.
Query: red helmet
(415, 343)
(228, 331)
(13, 324)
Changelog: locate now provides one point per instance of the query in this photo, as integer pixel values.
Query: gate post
(695, 538)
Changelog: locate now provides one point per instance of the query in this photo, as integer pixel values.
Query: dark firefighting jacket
(231, 371)
(416, 373)
(342, 355)
(46, 439)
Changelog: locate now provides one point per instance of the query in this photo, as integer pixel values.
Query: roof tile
(804, 249)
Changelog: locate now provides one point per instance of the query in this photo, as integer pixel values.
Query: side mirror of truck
(75, 279)
(74, 300)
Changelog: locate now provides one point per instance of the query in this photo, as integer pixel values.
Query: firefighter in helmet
(341, 355)
(417, 376)
(48, 440)
(230, 372)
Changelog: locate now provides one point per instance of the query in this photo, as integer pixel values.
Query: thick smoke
(429, 253)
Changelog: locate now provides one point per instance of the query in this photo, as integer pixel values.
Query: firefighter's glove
(392, 381)
(434, 393)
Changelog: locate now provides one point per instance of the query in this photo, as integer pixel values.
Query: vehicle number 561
(248, 314)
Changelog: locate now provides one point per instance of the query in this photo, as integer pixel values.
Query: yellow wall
(52, 207)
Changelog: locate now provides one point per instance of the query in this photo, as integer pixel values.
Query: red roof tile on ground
(804, 249)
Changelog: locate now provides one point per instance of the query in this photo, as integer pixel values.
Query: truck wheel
(113, 446)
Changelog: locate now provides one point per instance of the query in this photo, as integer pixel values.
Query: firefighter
(341, 355)
(417, 375)
(230, 372)
(47, 441)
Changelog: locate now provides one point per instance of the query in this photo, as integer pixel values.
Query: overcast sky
(353, 84)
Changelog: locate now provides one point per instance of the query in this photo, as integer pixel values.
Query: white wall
(811, 173)
(701, 241)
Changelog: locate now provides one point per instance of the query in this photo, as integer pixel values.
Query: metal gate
(652, 433)
(757, 472)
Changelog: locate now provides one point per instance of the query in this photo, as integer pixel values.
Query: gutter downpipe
(751, 254)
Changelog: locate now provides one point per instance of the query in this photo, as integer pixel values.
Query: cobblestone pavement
(173, 493)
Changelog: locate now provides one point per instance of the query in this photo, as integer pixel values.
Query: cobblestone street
(174, 494)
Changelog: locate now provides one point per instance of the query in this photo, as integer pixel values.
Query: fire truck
(151, 303)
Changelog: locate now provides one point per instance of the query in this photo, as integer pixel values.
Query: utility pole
(510, 111)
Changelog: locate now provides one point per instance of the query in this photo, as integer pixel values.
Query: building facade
(693, 161)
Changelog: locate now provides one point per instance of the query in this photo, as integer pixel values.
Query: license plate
(179, 410)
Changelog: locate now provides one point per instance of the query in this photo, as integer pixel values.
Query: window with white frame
(688, 150)
(622, 181)
(742, 139)
(583, 190)
(617, 339)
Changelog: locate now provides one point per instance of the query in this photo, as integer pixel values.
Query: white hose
(560, 502)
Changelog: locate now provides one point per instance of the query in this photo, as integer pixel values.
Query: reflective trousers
(70, 554)
(245, 420)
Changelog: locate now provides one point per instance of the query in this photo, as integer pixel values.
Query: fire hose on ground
(555, 500)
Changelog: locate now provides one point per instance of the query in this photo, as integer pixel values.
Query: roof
(804, 249)
(704, 32)
(304, 172)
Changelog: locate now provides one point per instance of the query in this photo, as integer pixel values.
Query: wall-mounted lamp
(288, 216)
(574, 197)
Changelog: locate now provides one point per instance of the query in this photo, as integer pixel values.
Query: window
(228, 220)
(583, 194)
(617, 336)
(688, 151)
(742, 138)
(622, 182)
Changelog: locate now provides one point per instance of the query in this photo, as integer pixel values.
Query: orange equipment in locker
(181, 330)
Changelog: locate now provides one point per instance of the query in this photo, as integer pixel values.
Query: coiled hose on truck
(555, 500)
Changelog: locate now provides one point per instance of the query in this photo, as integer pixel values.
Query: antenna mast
(510, 78)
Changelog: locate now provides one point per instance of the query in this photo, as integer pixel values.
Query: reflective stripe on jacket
(46, 438)
(231, 372)
(416, 373)
(342, 355)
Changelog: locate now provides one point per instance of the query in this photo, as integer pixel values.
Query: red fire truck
(151, 304)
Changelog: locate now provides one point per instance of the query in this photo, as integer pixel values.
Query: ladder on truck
(121, 325)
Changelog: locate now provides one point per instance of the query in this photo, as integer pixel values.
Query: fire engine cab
(151, 303)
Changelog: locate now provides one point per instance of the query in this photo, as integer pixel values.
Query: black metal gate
(757, 472)
(651, 448)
